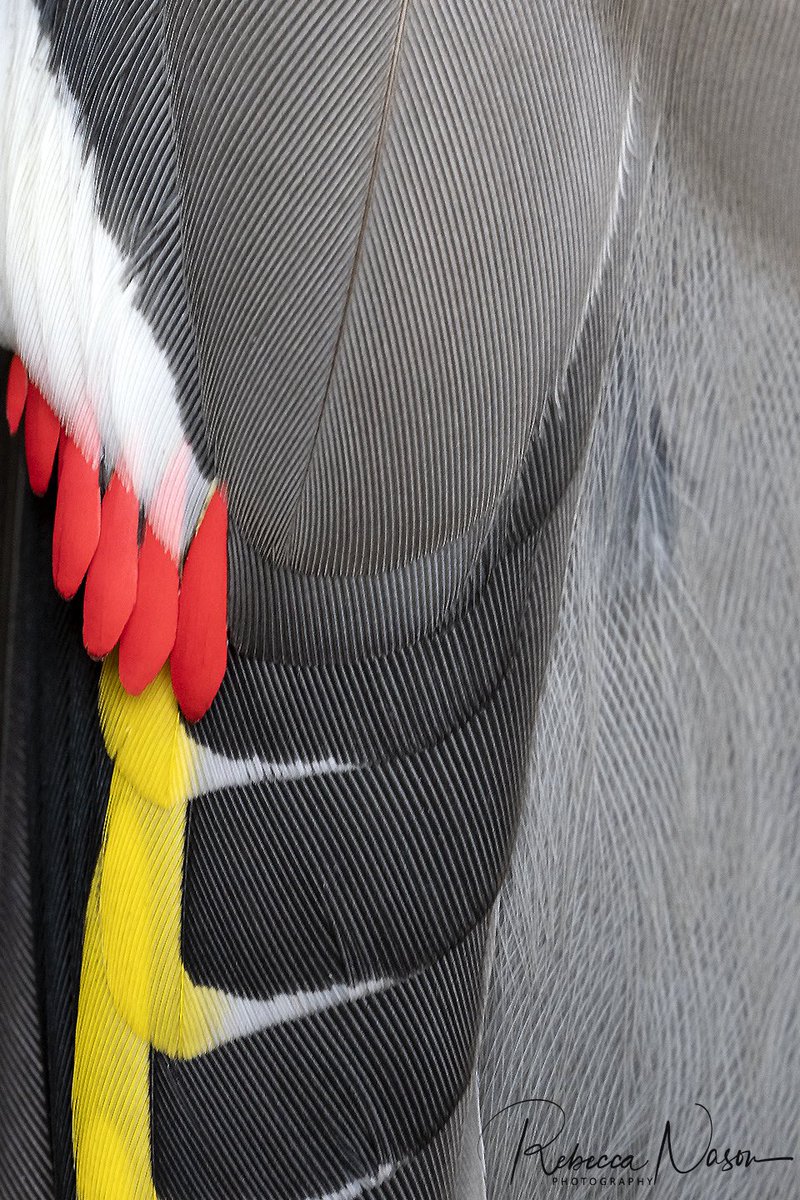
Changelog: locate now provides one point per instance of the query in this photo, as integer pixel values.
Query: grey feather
(487, 316)
(647, 952)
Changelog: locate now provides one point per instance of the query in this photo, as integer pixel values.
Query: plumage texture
(82, 208)
(448, 307)
(647, 948)
(76, 524)
(25, 1148)
(385, 179)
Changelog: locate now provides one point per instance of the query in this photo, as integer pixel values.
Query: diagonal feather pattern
(325, 299)
(652, 905)
(286, 942)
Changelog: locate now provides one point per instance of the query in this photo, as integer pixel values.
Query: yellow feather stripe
(110, 1088)
(134, 990)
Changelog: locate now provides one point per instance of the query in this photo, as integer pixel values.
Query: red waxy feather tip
(41, 439)
(110, 592)
(149, 636)
(76, 531)
(16, 391)
(201, 646)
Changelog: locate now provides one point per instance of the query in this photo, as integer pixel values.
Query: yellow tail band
(134, 990)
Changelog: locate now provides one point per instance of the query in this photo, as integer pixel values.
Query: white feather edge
(67, 301)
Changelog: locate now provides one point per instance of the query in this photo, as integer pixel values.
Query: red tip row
(133, 594)
(76, 531)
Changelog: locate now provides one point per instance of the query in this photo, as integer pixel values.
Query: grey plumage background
(647, 953)
(400, 258)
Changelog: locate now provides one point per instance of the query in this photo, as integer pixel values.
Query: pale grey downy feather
(648, 949)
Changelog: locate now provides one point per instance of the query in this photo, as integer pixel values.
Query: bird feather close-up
(399, 599)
